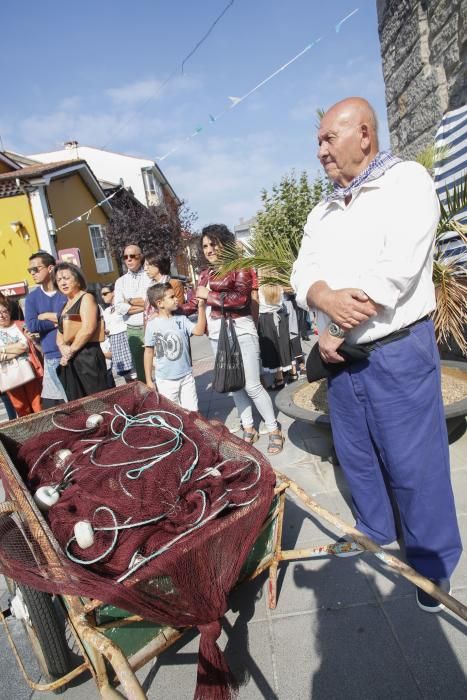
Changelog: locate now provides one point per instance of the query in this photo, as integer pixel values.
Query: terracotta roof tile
(39, 169)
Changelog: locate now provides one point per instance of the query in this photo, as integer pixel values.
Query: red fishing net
(168, 504)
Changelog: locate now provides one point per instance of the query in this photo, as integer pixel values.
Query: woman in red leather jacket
(237, 288)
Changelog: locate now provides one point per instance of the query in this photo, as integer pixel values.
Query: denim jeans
(51, 385)
(254, 390)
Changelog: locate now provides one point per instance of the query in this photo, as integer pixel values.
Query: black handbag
(229, 374)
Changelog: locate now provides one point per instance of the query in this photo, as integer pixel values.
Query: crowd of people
(140, 329)
(364, 268)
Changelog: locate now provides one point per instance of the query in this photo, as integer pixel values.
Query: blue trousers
(389, 432)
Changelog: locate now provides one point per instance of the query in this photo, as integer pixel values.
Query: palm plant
(449, 277)
(274, 255)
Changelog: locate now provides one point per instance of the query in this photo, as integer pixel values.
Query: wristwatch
(336, 331)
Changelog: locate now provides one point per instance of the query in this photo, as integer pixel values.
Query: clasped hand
(328, 348)
(348, 307)
(67, 353)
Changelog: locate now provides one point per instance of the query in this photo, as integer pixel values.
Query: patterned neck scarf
(383, 161)
(136, 274)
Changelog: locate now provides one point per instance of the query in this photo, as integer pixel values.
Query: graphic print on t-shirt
(170, 338)
(168, 345)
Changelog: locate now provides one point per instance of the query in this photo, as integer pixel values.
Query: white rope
(121, 431)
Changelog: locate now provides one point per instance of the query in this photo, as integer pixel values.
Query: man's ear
(365, 137)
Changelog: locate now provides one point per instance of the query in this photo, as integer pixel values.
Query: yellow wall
(68, 198)
(14, 249)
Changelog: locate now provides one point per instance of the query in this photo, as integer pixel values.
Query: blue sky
(92, 71)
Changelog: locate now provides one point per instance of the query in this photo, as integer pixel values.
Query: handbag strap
(222, 303)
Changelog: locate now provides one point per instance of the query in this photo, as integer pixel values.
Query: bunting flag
(87, 213)
(339, 24)
(235, 101)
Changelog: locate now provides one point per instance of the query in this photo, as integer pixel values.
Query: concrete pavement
(343, 628)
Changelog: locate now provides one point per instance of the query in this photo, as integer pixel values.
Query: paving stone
(348, 653)
(459, 485)
(248, 654)
(301, 528)
(434, 647)
(328, 582)
(386, 582)
(219, 412)
(13, 685)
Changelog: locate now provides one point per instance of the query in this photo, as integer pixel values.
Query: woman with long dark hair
(235, 289)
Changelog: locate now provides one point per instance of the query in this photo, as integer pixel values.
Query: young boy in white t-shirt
(167, 337)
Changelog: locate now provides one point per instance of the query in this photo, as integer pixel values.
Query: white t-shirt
(264, 306)
(243, 325)
(12, 334)
(114, 321)
(105, 347)
(170, 339)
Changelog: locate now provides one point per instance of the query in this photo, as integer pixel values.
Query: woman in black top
(82, 368)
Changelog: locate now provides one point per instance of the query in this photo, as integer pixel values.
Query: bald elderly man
(365, 268)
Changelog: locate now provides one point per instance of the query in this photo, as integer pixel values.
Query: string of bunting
(87, 214)
(178, 69)
(235, 101)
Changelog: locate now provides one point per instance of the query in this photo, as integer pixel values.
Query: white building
(145, 178)
(244, 230)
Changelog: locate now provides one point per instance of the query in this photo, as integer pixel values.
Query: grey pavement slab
(349, 652)
(459, 485)
(433, 646)
(12, 684)
(343, 628)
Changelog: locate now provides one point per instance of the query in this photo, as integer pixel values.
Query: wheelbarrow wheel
(45, 631)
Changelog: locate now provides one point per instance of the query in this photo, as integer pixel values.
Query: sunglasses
(35, 270)
(131, 256)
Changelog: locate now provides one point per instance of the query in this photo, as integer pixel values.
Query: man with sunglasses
(129, 300)
(42, 307)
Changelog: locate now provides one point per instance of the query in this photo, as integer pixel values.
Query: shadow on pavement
(385, 649)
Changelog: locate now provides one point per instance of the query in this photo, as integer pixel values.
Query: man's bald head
(353, 110)
(348, 139)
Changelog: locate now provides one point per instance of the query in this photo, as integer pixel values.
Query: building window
(99, 248)
(152, 188)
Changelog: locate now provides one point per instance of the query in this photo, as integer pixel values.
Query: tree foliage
(285, 210)
(152, 228)
(188, 219)
(279, 229)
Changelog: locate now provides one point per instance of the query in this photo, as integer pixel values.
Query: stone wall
(424, 53)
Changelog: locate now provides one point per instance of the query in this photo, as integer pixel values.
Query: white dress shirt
(381, 242)
(132, 285)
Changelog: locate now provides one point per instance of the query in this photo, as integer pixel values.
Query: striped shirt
(450, 173)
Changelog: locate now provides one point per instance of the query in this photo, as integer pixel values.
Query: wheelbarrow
(113, 644)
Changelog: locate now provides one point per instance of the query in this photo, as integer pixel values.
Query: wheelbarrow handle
(8, 507)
